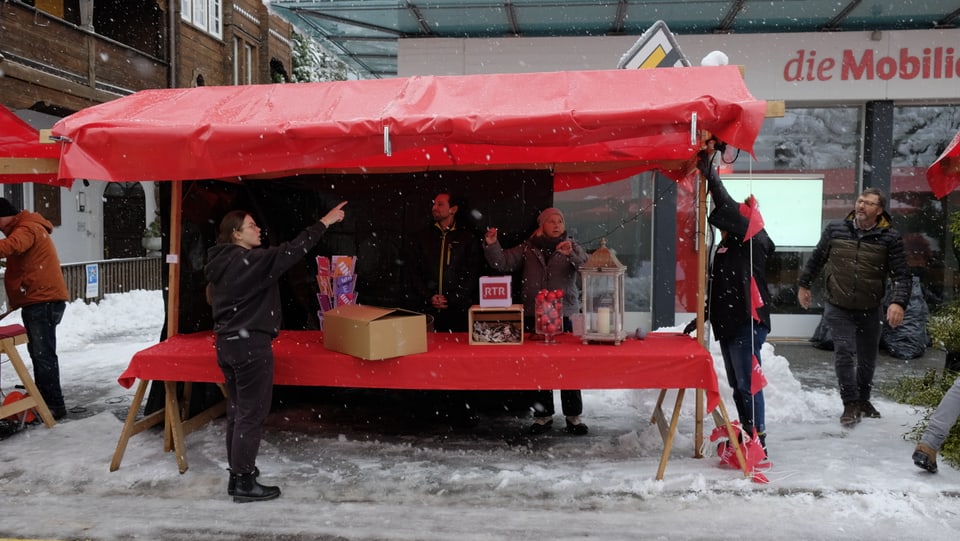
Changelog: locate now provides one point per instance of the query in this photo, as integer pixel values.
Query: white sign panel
(791, 206)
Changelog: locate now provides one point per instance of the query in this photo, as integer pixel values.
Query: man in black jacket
(857, 256)
(444, 277)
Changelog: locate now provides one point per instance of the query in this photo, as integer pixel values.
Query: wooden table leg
(132, 427)
(33, 399)
(175, 425)
(698, 429)
(668, 444)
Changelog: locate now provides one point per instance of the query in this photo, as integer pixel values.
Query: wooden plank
(28, 166)
(34, 398)
(132, 427)
(668, 444)
(776, 109)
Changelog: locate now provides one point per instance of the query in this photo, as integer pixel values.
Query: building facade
(862, 109)
(60, 56)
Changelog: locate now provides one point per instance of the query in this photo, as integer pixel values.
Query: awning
(23, 158)
(588, 127)
(944, 175)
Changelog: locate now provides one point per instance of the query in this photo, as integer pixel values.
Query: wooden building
(60, 56)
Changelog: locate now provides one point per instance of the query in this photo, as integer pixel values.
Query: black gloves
(692, 326)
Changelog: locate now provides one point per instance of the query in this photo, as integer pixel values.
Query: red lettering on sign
(868, 65)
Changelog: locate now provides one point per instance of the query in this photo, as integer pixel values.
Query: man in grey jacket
(857, 256)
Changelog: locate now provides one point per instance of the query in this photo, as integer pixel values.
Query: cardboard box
(495, 291)
(370, 332)
(496, 326)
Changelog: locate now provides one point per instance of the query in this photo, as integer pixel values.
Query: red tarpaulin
(588, 127)
(23, 158)
(944, 175)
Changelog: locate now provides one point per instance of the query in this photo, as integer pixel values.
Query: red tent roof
(23, 158)
(587, 126)
(944, 175)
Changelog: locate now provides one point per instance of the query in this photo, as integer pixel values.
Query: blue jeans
(738, 355)
(856, 341)
(41, 320)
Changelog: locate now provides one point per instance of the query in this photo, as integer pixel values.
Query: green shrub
(925, 392)
(944, 326)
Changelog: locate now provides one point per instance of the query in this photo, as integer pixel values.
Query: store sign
(869, 65)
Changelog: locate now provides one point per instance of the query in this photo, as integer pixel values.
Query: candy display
(549, 314)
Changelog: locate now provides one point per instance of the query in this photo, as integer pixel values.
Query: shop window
(920, 135)
(46, 202)
(622, 213)
(823, 143)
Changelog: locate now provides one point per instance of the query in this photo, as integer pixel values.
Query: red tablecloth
(661, 361)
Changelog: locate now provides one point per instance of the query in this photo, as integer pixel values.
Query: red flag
(751, 211)
(754, 454)
(757, 380)
(756, 301)
(944, 175)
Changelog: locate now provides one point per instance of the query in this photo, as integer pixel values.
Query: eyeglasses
(867, 203)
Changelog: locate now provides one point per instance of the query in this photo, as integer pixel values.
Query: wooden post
(173, 259)
(701, 292)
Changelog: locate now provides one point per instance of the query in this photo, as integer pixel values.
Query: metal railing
(112, 276)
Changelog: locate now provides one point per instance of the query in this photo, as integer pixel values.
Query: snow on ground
(373, 472)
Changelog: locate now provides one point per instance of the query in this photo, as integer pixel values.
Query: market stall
(575, 129)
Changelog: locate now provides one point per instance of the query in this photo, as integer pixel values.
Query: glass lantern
(603, 297)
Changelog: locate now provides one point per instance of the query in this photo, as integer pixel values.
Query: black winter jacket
(857, 267)
(448, 263)
(243, 283)
(733, 263)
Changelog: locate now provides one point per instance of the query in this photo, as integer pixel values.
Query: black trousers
(247, 365)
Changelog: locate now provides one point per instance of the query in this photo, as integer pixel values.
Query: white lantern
(603, 297)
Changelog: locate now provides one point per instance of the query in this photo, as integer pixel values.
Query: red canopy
(588, 127)
(944, 175)
(23, 158)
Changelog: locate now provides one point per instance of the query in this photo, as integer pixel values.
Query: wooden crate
(491, 322)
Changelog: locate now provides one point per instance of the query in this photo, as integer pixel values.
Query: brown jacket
(33, 272)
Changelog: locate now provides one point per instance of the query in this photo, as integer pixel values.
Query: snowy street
(374, 472)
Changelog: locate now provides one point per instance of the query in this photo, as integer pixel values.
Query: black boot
(232, 483)
(249, 490)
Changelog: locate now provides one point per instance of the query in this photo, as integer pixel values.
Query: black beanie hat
(7, 208)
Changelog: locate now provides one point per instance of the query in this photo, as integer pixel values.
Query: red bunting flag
(751, 211)
(757, 380)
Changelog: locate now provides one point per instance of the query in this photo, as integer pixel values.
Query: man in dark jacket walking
(857, 256)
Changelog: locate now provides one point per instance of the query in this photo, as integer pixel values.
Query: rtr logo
(495, 291)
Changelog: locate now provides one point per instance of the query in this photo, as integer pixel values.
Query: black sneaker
(851, 414)
(867, 410)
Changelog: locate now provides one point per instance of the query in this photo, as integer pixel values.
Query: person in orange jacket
(35, 285)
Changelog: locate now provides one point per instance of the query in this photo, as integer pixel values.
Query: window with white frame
(204, 14)
(244, 61)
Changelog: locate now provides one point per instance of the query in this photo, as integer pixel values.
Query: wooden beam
(28, 166)
(776, 109)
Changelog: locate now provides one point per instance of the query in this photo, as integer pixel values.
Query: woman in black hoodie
(245, 297)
